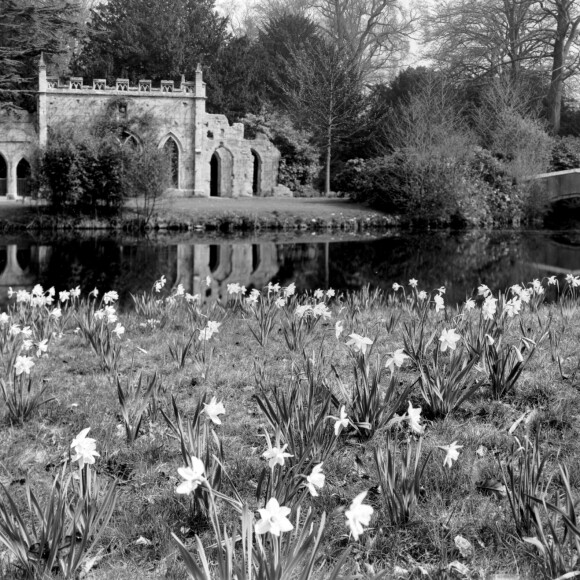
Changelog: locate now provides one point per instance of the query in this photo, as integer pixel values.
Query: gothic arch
(171, 144)
(3, 175)
(128, 138)
(23, 174)
(256, 172)
(221, 173)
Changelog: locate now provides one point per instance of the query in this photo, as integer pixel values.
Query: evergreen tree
(152, 39)
(27, 29)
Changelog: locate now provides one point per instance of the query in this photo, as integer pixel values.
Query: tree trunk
(328, 157)
(554, 97)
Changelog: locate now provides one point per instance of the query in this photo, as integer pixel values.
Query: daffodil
(273, 519)
(449, 339)
(23, 364)
(119, 330)
(276, 455)
(84, 448)
(358, 342)
(490, 306)
(358, 515)
(193, 476)
(338, 328)
(315, 480)
(452, 453)
(414, 416)
(341, 422)
(397, 360)
(213, 409)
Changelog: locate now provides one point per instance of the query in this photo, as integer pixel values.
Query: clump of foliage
(299, 165)
(95, 172)
(83, 176)
(565, 154)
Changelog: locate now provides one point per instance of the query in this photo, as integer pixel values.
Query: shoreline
(222, 215)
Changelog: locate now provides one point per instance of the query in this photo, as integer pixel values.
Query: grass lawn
(236, 212)
(456, 489)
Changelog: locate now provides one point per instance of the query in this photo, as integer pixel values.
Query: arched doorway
(23, 178)
(221, 173)
(3, 176)
(214, 175)
(256, 173)
(172, 151)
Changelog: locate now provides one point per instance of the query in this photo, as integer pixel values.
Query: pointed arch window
(172, 150)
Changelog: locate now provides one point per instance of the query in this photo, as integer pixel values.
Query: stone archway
(221, 173)
(3, 175)
(23, 173)
(256, 173)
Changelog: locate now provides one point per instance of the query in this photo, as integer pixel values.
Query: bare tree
(565, 18)
(471, 37)
(323, 87)
(476, 38)
(373, 32)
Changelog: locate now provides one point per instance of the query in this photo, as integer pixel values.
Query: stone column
(12, 189)
(42, 104)
(200, 186)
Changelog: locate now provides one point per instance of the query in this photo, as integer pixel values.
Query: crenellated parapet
(145, 88)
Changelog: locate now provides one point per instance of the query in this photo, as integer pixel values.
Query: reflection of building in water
(22, 269)
(252, 265)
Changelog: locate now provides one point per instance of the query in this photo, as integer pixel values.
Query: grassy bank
(208, 214)
(337, 380)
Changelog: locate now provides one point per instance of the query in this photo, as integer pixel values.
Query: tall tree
(280, 38)
(155, 39)
(237, 79)
(324, 94)
(28, 28)
(514, 37)
(374, 33)
(565, 18)
(474, 38)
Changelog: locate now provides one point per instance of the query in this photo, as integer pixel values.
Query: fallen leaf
(493, 487)
(141, 541)
(459, 568)
(464, 546)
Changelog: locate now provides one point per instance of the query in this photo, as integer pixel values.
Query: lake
(459, 260)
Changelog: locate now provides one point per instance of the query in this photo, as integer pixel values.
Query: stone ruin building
(209, 157)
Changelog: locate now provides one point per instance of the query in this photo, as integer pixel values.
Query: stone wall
(212, 157)
(18, 141)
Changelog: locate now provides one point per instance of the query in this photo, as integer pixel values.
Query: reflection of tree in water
(302, 264)
(458, 260)
(107, 266)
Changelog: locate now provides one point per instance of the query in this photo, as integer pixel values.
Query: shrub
(565, 154)
(91, 175)
(299, 164)
(83, 176)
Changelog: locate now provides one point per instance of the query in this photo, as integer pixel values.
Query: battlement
(123, 87)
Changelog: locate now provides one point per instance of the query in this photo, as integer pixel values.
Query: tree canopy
(154, 40)
(28, 29)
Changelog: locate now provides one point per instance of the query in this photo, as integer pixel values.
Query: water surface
(458, 260)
